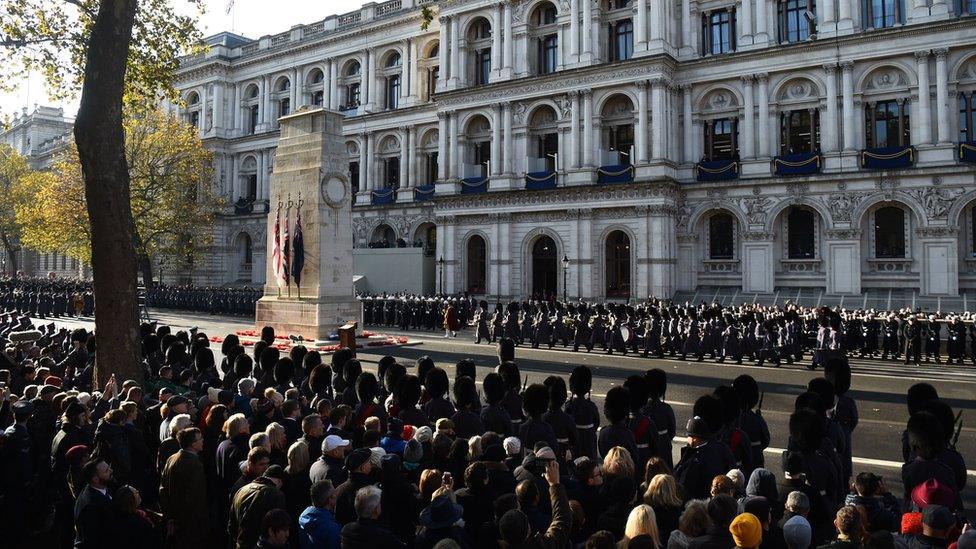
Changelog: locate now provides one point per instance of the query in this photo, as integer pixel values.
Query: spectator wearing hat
(850, 530)
(317, 524)
(176, 405)
(330, 465)
(701, 460)
(746, 531)
(252, 503)
(366, 531)
(937, 524)
(797, 533)
(439, 521)
(358, 465)
(183, 490)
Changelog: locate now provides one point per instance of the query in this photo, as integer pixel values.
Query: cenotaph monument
(309, 179)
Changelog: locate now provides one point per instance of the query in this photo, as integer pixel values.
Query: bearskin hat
(350, 373)
(161, 331)
(616, 405)
(243, 366)
(657, 383)
(366, 387)
(506, 350)
(320, 379)
(268, 334)
(436, 382)
(204, 360)
(424, 365)
(229, 343)
(925, 434)
(943, 412)
(150, 345)
(164, 343)
(918, 394)
(407, 391)
(269, 358)
(145, 329)
(838, 372)
(259, 347)
(807, 430)
(176, 353)
(494, 388)
(297, 354)
(339, 359)
(465, 367)
(731, 406)
(483, 304)
(465, 392)
(581, 380)
(810, 400)
(825, 389)
(311, 360)
(392, 375)
(709, 408)
(284, 371)
(557, 391)
(748, 390)
(382, 366)
(638, 391)
(510, 375)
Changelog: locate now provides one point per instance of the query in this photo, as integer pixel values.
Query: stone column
(505, 253)
(412, 153)
(587, 38)
(588, 127)
(363, 162)
(640, 26)
(641, 138)
(370, 81)
(640, 249)
(584, 264)
(508, 143)
(827, 19)
(455, 54)
(443, 155)
(688, 134)
(455, 171)
(762, 33)
(496, 139)
(843, 261)
(371, 183)
(405, 181)
(687, 40)
(657, 24)
(295, 96)
(236, 110)
(333, 85)
(942, 94)
(764, 129)
(658, 117)
(757, 262)
(407, 72)
(747, 143)
(574, 31)
(850, 121)
(496, 41)
(845, 22)
(261, 174)
(574, 134)
(662, 250)
(829, 125)
(924, 99)
(204, 97)
(745, 22)
(508, 44)
(218, 107)
(442, 52)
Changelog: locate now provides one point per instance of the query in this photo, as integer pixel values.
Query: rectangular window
(352, 96)
(251, 182)
(967, 7)
(887, 124)
(392, 91)
(548, 52)
(881, 14)
(799, 131)
(797, 20)
(432, 167)
(252, 125)
(482, 154)
(285, 107)
(354, 176)
(622, 141)
(435, 75)
(548, 147)
(482, 66)
(621, 40)
(718, 32)
(318, 98)
(967, 104)
(721, 139)
(392, 170)
(195, 119)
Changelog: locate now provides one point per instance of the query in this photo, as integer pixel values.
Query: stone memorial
(309, 177)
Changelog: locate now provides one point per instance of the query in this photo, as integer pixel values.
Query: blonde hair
(663, 491)
(642, 522)
(178, 423)
(259, 440)
(235, 425)
(297, 457)
(274, 396)
(474, 448)
(618, 463)
(372, 423)
(276, 434)
(129, 408)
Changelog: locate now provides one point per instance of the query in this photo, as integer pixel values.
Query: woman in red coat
(451, 325)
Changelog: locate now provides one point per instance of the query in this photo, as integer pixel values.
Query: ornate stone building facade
(623, 148)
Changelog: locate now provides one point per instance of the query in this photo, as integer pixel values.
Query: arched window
(392, 91)
(393, 60)
(249, 176)
(317, 77)
(192, 99)
(252, 92)
(801, 234)
(545, 34)
(618, 264)
(477, 265)
(383, 237)
(889, 233)
(721, 238)
(479, 48)
(352, 69)
(245, 250)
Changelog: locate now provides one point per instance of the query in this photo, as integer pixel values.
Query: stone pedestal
(309, 175)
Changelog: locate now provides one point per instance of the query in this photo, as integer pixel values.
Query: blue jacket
(319, 529)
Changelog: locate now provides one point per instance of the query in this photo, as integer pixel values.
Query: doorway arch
(544, 262)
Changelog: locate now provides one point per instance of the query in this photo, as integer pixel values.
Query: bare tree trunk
(11, 251)
(101, 149)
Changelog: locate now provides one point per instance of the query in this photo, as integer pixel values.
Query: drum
(626, 334)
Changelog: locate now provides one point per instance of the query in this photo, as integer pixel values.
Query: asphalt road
(878, 388)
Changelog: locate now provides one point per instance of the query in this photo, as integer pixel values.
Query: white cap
(512, 446)
(332, 442)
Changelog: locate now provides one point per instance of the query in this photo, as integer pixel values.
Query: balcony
(423, 193)
(888, 158)
(540, 181)
(801, 266)
(615, 173)
(383, 196)
(717, 170)
(797, 164)
(474, 185)
(889, 265)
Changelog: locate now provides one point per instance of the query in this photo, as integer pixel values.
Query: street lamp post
(565, 277)
(440, 274)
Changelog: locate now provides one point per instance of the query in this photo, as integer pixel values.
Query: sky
(251, 18)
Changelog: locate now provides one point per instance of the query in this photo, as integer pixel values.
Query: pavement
(878, 387)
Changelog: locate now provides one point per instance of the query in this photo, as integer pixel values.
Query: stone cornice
(666, 191)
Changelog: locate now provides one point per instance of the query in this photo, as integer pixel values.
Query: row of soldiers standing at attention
(661, 328)
(210, 299)
(47, 297)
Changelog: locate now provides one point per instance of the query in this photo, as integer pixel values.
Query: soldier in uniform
(956, 341)
(584, 412)
(494, 416)
(661, 413)
(933, 340)
(639, 423)
(562, 423)
(481, 323)
(844, 413)
(535, 401)
(702, 459)
(750, 419)
(616, 408)
(890, 345)
(913, 341)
